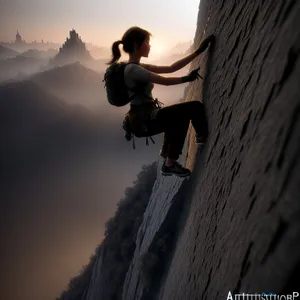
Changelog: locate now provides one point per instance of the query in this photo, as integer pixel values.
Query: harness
(137, 120)
(138, 117)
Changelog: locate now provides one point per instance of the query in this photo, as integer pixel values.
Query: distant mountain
(26, 109)
(40, 54)
(68, 75)
(181, 48)
(34, 121)
(72, 50)
(7, 52)
(73, 82)
(35, 126)
(19, 67)
(25, 46)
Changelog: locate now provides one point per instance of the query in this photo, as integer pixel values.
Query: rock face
(72, 50)
(240, 224)
(242, 228)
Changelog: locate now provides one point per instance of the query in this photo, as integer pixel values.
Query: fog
(64, 165)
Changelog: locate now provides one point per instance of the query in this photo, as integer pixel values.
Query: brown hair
(131, 36)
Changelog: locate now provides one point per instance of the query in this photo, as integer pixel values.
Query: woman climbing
(146, 116)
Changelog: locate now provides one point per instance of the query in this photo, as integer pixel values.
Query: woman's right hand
(192, 76)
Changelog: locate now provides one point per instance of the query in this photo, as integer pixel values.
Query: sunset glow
(99, 22)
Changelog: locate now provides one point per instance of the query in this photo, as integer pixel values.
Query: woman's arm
(157, 69)
(173, 68)
(154, 78)
(183, 61)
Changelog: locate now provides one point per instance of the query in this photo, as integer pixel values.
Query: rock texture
(73, 50)
(242, 228)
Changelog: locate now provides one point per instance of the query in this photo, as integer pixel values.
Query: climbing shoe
(176, 169)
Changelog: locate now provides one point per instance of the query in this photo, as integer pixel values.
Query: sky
(99, 22)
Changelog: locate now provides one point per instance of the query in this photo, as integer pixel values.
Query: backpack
(117, 95)
(116, 90)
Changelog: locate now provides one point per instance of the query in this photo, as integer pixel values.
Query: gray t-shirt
(134, 75)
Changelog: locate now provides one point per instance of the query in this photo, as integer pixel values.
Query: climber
(148, 114)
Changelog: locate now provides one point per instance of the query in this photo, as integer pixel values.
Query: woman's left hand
(204, 44)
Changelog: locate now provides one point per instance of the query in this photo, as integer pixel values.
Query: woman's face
(145, 47)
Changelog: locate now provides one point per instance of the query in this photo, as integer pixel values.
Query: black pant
(174, 121)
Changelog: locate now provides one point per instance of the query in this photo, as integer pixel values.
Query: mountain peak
(73, 50)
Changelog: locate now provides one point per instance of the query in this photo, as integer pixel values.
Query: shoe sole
(178, 175)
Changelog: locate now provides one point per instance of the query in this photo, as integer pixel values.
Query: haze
(57, 195)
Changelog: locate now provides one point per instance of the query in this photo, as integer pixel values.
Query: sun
(158, 47)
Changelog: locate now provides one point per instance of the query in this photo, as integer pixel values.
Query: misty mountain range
(42, 106)
(63, 168)
(37, 121)
(64, 163)
(63, 104)
(7, 52)
(73, 82)
(21, 64)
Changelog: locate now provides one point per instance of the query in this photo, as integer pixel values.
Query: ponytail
(134, 36)
(115, 52)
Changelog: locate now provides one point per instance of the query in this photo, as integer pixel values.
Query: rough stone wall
(242, 227)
